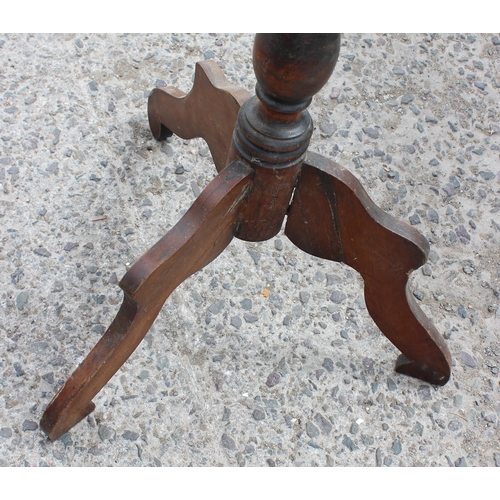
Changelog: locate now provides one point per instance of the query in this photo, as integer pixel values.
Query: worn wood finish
(198, 238)
(209, 110)
(332, 217)
(273, 129)
(291, 67)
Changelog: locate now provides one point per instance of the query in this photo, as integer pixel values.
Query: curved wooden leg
(198, 238)
(333, 217)
(208, 111)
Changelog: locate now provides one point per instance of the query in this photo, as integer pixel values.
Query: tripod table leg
(198, 238)
(332, 217)
(208, 111)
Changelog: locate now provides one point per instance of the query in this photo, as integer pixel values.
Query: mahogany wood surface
(273, 129)
(291, 67)
(332, 217)
(209, 110)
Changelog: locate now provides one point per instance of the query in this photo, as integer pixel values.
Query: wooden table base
(266, 174)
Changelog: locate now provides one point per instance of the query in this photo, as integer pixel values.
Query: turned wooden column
(273, 128)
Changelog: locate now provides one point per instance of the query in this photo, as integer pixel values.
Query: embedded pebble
(236, 321)
(106, 432)
(22, 299)
(29, 425)
(349, 443)
(432, 215)
(328, 365)
(467, 359)
(130, 435)
(43, 252)
(228, 442)
(454, 425)
(255, 256)
(415, 219)
(250, 318)
(273, 379)
(246, 304)
(371, 132)
(338, 297)
(397, 447)
(324, 425)
(258, 414)
(424, 391)
(311, 430)
(407, 98)
(217, 307)
(304, 297)
(391, 385)
(335, 92)
(327, 129)
(6, 432)
(486, 175)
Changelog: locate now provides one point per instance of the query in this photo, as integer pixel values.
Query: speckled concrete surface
(85, 190)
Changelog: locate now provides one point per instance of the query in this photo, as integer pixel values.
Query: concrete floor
(85, 190)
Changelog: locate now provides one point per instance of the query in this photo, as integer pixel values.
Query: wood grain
(208, 111)
(198, 238)
(332, 217)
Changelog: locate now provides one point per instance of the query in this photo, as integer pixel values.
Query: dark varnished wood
(332, 217)
(198, 238)
(273, 129)
(291, 67)
(264, 142)
(208, 111)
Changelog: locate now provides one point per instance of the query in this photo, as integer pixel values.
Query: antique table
(266, 176)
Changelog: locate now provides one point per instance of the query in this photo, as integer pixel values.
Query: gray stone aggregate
(268, 356)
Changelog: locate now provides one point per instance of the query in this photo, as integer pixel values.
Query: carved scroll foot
(197, 239)
(208, 111)
(332, 217)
